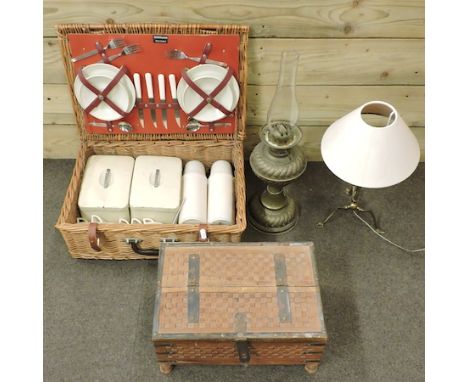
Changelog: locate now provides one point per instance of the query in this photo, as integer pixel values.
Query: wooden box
(141, 241)
(232, 304)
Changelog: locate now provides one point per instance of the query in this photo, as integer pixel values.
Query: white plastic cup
(96, 219)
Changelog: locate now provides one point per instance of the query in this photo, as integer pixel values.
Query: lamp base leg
(374, 220)
(353, 206)
(322, 223)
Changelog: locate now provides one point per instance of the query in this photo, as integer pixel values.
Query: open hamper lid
(234, 291)
(223, 43)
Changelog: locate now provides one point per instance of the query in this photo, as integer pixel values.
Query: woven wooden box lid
(64, 31)
(231, 291)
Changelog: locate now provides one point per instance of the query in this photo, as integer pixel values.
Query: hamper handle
(146, 251)
(134, 244)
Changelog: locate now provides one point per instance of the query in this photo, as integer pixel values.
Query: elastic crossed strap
(101, 96)
(208, 98)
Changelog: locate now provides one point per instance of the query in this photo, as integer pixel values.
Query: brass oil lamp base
(273, 211)
(277, 161)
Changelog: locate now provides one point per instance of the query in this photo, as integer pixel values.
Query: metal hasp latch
(242, 345)
(243, 351)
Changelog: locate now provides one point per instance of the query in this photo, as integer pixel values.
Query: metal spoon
(123, 126)
(194, 125)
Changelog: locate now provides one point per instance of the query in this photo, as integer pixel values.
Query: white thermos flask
(221, 194)
(195, 192)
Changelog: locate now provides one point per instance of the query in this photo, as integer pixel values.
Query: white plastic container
(156, 189)
(195, 194)
(105, 188)
(221, 194)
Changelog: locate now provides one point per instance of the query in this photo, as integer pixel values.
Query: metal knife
(162, 97)
(149, 89)
(137, 81)
(172, 83)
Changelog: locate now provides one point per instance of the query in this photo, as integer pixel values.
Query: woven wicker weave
(204, 147)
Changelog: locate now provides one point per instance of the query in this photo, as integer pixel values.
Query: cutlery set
(176, 54)
(194, 125)
(112, 44)
(163, 105)
(173, 87)
(130, 49)
(123, 126)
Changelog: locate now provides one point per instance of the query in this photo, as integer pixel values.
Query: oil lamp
(277, 160)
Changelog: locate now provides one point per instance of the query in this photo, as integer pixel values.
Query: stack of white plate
(208, 77)
(99, 75)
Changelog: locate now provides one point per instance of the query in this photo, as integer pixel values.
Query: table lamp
(369, 156)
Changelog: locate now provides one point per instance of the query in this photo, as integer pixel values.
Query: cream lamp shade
(370, 156)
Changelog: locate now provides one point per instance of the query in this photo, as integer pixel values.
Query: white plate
(207, 77)
(99, 75)
(119, 95)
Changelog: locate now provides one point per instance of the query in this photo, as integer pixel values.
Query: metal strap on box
(284, 305)
(193, 281)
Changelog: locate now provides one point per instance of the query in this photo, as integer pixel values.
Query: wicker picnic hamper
(141, 241)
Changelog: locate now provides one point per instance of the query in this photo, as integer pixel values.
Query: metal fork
(179, 55)
(130, 49)
(112, 44)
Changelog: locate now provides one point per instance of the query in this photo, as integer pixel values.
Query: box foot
(311, 368)
(165, 368)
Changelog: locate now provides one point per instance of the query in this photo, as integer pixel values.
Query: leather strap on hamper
(203, 233)
(101, 96)
(205, 53)
(102, 53)
(208, 98)
(93, 237)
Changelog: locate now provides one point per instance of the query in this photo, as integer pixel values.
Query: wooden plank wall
(352, 51)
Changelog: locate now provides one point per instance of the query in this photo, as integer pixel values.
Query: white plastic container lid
(194, 167)
(106, 182)
(157, 182)
(221, 167)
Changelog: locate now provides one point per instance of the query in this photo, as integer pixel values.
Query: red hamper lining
(152, 59)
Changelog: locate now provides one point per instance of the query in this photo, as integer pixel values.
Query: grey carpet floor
(98, 314)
